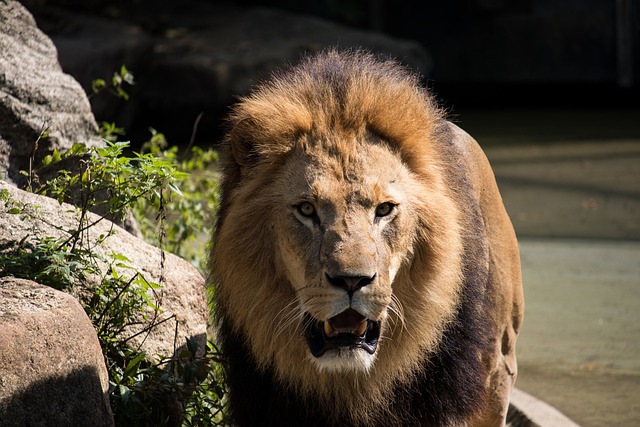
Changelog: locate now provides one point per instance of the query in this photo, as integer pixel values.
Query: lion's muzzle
(348, 329)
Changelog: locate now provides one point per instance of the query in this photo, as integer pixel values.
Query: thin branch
(43, 131)
(148, 328)
(194, 130)
(110, 303)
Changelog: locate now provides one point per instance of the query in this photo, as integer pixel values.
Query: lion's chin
(343, 360)
(346, 341)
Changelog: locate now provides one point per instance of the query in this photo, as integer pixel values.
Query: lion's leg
(503, 375)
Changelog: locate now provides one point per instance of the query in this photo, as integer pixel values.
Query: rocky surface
(182, 296)
(51, 366)
(35, 95)
(52, 371)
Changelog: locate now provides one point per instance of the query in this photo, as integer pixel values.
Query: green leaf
(119, 257)
(125, 393)
(133, 365)
(175, 189)
(97, 85)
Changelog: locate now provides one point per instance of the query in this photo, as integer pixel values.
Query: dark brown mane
(338, 91)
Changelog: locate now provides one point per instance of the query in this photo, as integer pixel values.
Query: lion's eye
(384, 209)
(306, 209)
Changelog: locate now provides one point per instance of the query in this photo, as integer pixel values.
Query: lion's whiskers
(396, 308)
(286, 317)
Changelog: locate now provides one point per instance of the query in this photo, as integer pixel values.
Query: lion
(364, 268)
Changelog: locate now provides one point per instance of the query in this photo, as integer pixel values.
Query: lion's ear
(242, 142)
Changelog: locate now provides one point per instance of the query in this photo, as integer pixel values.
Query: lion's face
(329, 258)
(342, 236)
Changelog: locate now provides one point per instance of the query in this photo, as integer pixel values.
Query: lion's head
(337, 255)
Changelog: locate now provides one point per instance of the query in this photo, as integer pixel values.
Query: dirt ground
(571, 184)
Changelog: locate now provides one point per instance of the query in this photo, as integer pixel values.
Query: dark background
(483, 54)
(529, 53)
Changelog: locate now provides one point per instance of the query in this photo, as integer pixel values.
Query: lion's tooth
(328, 330)
(362, 328)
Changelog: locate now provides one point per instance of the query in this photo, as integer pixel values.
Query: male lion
(365, 270)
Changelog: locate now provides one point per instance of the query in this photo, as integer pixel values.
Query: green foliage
(154, 184)
(47, 261)
(111, 132)
(117, 84)
(188, 387)
(189, 211)
(203, 408)
(56, 262)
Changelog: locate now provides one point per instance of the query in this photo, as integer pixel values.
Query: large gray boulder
(52, 371)
(35, 95)
(182, 296)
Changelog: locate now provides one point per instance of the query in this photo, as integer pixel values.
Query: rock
(527, 411)
(52, 371)
(205, 59)
(91, 47)
(35, 95)
(199, 55)
(182, 294)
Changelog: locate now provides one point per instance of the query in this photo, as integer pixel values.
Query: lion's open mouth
(347, 329)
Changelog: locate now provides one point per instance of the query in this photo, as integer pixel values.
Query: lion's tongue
(349, 321)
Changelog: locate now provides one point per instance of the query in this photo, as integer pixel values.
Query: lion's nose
(350, 283)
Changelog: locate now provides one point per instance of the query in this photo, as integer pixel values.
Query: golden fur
(347, 133)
